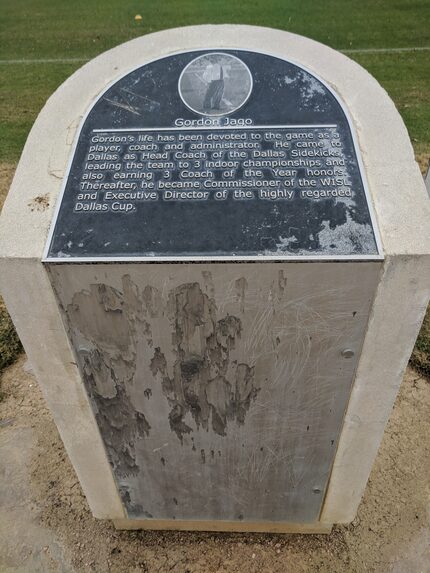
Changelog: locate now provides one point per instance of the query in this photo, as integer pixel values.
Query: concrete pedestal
(207, 393)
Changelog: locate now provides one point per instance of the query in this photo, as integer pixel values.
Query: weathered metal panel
(272, 169)
(219, 389)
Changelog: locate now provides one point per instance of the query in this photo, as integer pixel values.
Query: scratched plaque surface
(211, 154)
(219, 389)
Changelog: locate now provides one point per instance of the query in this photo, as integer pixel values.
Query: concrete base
(402, 208)
(227, 526)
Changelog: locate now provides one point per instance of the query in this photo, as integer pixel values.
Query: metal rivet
(347, 353)
(316, 490)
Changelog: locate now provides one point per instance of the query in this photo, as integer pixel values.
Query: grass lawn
(58, 29)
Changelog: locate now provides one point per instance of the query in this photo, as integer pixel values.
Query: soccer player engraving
(215, 84)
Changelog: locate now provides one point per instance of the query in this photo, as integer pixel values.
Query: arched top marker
(215, 154)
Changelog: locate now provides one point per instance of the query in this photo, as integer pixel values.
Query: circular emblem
(215, 84)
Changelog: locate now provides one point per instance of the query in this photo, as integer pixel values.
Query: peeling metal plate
(219, 390)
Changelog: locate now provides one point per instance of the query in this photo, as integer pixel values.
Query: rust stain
(200, 384)
(282, 283)
(208, 283)
(241, 285)
(205, 384)
(108, 320)
(39, 203)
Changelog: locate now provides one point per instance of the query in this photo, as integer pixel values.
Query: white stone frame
(399, 199)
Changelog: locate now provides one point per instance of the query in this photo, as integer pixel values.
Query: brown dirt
(390, 534)
(423, 160)
(6, 175)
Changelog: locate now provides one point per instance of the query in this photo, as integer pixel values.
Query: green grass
(406, 77)
(10, 345)
(38, 29)
(23, 92)
(420, 358)
(44, 28)
(32, 29)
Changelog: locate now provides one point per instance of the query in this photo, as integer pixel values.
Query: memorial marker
(259, 161)
(217, 317)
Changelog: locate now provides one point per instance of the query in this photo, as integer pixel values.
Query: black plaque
(209, 154)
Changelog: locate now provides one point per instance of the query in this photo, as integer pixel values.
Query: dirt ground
(45, 524)
(6, 175)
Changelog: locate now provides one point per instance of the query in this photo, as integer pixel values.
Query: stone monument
(214, 252)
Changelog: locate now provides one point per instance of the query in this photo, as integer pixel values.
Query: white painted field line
(45, 61)
(384, 50)
(345, 51)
